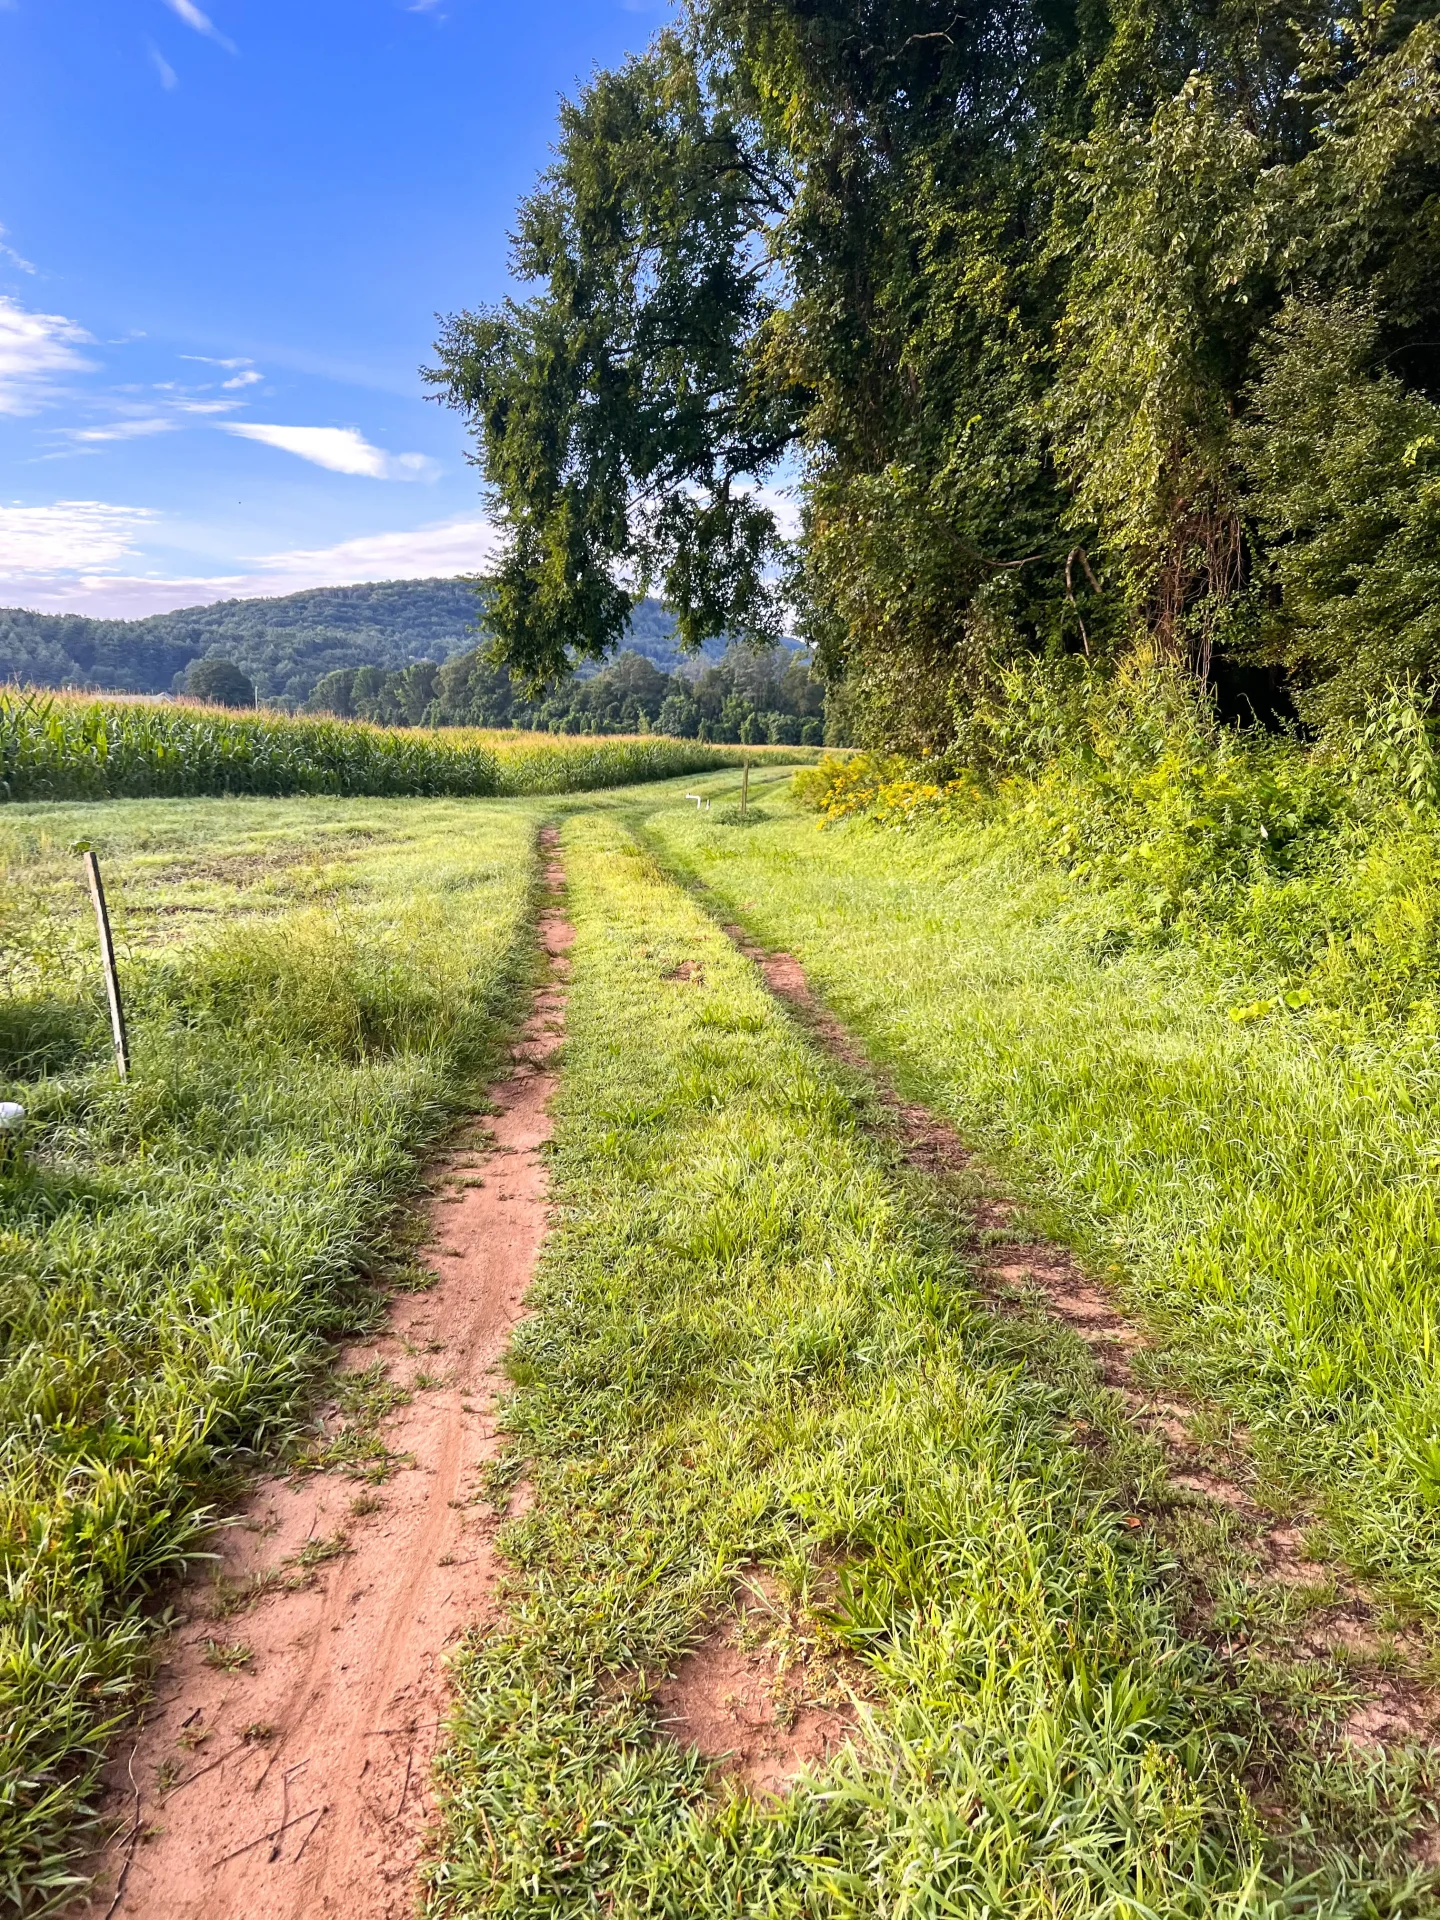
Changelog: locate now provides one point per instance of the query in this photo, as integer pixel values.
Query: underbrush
(179, 1250)
(59, 747)
(754, 1355)
(1313, 866)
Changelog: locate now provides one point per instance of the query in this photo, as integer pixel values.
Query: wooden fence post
(107, 960)
(744, 788)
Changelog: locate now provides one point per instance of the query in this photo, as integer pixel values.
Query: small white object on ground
(12, 1116)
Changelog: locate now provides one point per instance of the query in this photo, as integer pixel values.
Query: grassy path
(756, 1356)
(1267, 1195)
(312, 987)
(769, 1415)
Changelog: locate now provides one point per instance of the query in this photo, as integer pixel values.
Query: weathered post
(107, 961)
(744, 786)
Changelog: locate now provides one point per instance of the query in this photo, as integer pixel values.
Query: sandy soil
(757, 1717)
(282, 1772)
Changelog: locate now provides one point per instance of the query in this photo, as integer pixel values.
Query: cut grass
(752, 1347)
(1264, 1192)
(180, 1250)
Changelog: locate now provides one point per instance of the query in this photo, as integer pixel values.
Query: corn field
(63, 748)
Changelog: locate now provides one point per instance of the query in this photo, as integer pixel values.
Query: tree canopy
(1078, 328)
(219, 681)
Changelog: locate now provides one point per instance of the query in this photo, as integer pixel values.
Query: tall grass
(177, 1251)
(55, 747)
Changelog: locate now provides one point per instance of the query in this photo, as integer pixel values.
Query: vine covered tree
(1079, 331)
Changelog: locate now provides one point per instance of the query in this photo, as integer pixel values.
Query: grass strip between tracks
(753, 1346)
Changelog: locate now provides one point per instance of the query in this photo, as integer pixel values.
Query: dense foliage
(1095, 331)
(219, 682)
(749, 695)
(284, 644)
(74, 749)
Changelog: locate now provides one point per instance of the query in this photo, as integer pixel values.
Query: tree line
(1085, 336)
(749, 695)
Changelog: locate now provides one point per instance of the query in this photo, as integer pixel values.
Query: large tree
(1004, 289)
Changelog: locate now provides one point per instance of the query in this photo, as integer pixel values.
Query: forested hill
(285, 645)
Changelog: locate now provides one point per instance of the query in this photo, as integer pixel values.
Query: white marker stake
(107, 960)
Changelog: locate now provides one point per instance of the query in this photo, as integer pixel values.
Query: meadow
(759, 1354)
(79, 747)
(1248, 1150)
(757, 1358)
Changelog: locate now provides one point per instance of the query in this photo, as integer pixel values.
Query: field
(79, 747)
(767, 1387)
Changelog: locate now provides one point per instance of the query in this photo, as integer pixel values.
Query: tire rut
(282, 1771)
(1012, 1269)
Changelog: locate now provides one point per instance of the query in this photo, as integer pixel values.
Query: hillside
(284, 644)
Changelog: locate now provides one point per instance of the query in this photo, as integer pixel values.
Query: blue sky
(227, 233)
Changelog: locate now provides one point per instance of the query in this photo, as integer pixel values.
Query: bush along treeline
(72, 749)
(1306, 872)
(1109, 334)
(750, 696)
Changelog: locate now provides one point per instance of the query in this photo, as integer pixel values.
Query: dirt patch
(746, 1708)
(1012, 1270)
(282, 1772)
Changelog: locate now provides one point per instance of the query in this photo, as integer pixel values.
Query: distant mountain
(285, 645)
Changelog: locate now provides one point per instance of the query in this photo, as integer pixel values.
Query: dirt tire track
(297, 1785)
(1404, 1706)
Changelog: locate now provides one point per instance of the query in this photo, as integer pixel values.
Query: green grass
(1263, 1188)
(312, 988)
(67, 747)
(754, 1348)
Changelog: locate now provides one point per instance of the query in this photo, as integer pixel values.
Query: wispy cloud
(201, 22)
(169, 79)
(70, 536)
(341, 449)
(245, 372)
(15, 259)
(68, 559)
(464, 544)
(121, 430)
(35, 349)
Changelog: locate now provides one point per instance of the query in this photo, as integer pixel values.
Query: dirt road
(283, 1769)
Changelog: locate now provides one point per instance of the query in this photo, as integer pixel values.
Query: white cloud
(16, 260)
(208, 360)
(341, 449)
(34, 348)
(201, 22)
(122, 430)
(71, 536)
(465, 544)
(66, 559)
(169, 79)
(246, 379)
